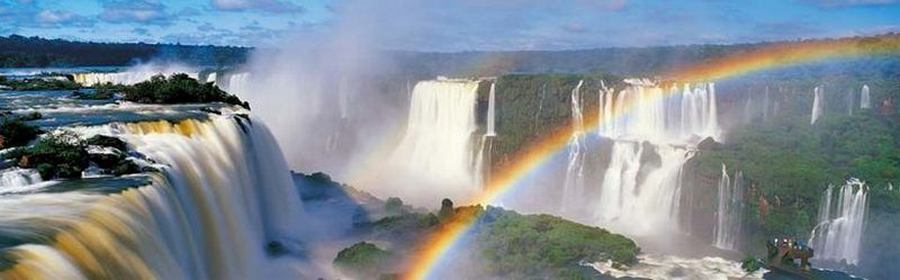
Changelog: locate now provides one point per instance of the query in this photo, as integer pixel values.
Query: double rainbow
(431, 250)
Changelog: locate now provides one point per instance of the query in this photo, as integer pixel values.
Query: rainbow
(430, 251)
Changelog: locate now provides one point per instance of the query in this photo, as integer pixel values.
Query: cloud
(271, 6)
(140, 31)
(50, 18)
(575, 27)
(139, 11)
(850, 3)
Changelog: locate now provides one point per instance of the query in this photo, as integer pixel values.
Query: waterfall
(652, 135)
(842, 216)
(638, 197)
(437, 148)
(642, 112)
(730, 211)
(487, 141)
(16, 180)
(130, 76)
(223, 193)
(865, 102)
(573, 188)
(765, 105)
(817, 105)
(491, 113)
(236, 83)
(211, 77)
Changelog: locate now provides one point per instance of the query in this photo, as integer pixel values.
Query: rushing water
(223, 193)
(842, 218)
(730, 211)
(573, 187)
(438, 148)
(131, 76)
(818, 105)
(865, 101)
(652, 132)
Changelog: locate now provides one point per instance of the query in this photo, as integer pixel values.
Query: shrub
(15, 132)
(177, 89)
(107, 141)
(393, 206)
(363, 260)
(58, 155)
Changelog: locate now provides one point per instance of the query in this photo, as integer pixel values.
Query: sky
(450, 25)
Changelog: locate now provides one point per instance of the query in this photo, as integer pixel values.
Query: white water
(236, 83)
(730, 211)
(573, 187)
(817, 105)
(211, 78)
(437, 148)
(842, 217)
(16, 180)
(491, 113)
(865, 101)
(652, 266)
(224, 192)
(132, 75)
(642, 112)
(652, 133)
(487, 141)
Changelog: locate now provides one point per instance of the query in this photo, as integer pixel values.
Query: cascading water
(15, 180)
(573, 188)
(491, 113)
(235, 83)
(865, 101)
(130, 76)
(730, 211)
(211, 77)
(487, 141)
(817, 105)
(652, 135)
(224, 191)
(842, 217)
(437, 148)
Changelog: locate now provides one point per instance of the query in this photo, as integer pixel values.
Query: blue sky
(449, 25)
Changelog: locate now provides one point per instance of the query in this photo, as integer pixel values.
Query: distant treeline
(629, 62)
(20, 51)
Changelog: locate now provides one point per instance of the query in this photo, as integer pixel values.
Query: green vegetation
(789, 164)
(508, 245)
(46, 83)
(752, 264)
(394, 206)
(20, 51)
(58, 155)
(541, 246)
(531, 106)
(107, 141)
(15, 132)
(363, 260)
(63, 155)
(177, 89)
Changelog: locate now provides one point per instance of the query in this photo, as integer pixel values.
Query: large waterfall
(438, 148)
(817, 106)
(842, 218)
(223, 193)
(573, 187)
(652, 133)
(730, 211)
